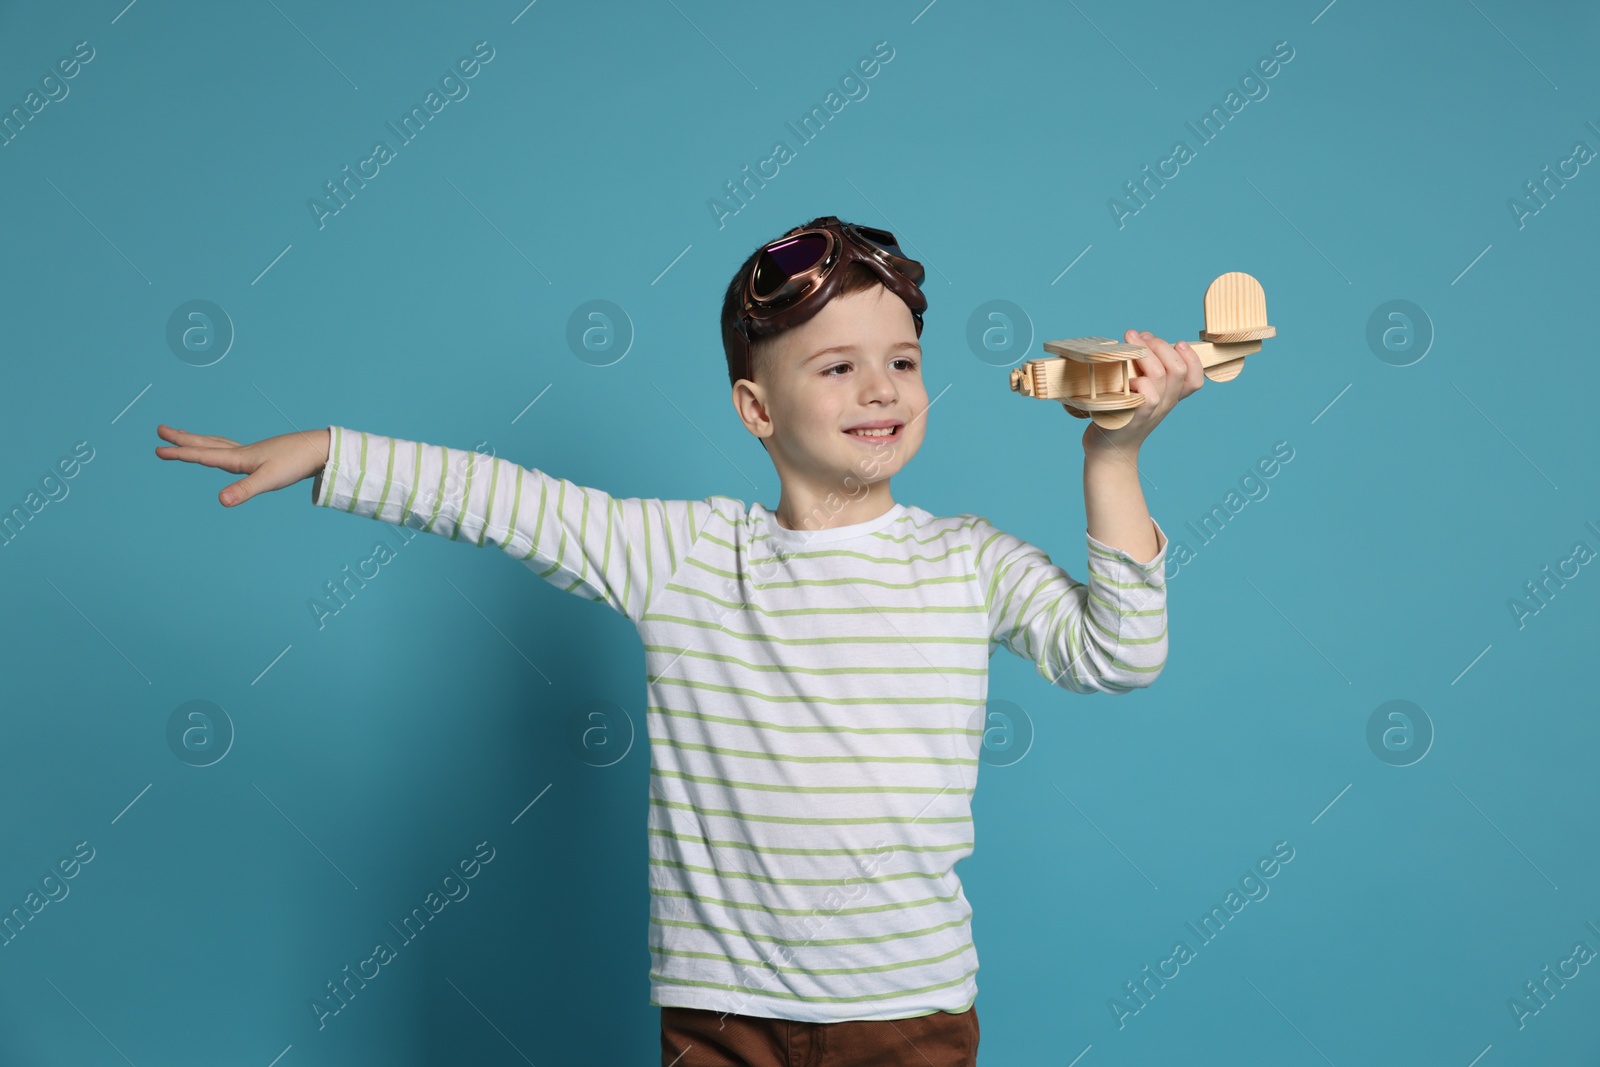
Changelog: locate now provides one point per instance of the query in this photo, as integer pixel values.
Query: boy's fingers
(175, 435)
(1155, 364)
(1169, 355)
(1194, 374)
(183, 437)
(227, 459)
(1182, 363)
(237, 493)
(1172, 371)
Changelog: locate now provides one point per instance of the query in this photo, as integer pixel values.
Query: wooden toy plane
(1090, 376)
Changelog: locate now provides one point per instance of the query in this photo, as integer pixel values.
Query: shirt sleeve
(579, 539)
(1108, 635)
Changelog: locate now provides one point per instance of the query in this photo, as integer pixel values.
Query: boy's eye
(910, 363)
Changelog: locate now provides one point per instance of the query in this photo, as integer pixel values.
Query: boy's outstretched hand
(1165, 377)
(270, 464)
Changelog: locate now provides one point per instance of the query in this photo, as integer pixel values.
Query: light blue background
(377, 751)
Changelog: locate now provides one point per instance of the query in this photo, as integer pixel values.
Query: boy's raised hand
(1165, 377)
(270, 464)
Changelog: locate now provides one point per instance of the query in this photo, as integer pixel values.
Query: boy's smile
(854, 366)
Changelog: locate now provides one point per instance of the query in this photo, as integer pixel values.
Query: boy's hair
(857, 276)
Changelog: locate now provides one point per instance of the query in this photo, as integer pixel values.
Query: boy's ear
(750, 404)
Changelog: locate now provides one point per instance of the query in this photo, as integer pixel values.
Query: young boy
(817, 672)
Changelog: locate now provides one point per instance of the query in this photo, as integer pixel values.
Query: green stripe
(784, 668)
(666, 532)
(516, 505)
(1005, 607)
(416, 483)
(769, 880)
(915, 609)
(805, 698)
(1102, 553)
(991, 539)
(1115, 635)
(1027, 626)
(802, 582)
(801, 820)
(1076, 648)
(744, 905)
(936, 535)
(664, 980)
(561, 493)
(1103, 602)
(361, 476)
(774, 850)
(759, 724)
(845, 553)
(1047, 656)
(388, 480)
(988, 594)
(1126, 640)
(729, 519)
(688, 550)
(686, 746)
(1071, 666)
(466, 495)
(538, 522)
(1125, 557)
(814, 942)
(649, 561)
(748, 522)
(612, 509)
(333, 473)
(908, 519)
(1050, 581)
(438, 498)
(771, 788)
(847, 639)
(685, 954)
(488, 510)
(1121, 585)
(582, 539)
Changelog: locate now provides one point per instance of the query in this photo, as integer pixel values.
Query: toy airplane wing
(1090, 376)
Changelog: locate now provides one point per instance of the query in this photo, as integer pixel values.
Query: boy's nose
(877, 384)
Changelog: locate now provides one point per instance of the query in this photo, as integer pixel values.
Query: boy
(817, 672)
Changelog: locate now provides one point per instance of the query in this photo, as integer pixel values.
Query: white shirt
(815, 709)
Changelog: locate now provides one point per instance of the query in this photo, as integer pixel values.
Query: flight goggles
(794, 276)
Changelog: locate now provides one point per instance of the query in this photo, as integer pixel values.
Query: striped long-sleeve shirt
(815, 709)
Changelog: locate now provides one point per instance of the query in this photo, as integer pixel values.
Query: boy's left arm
(1112, 499)
(1108, 635)
(1126, 548)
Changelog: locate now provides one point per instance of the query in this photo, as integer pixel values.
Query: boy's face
(856, 361)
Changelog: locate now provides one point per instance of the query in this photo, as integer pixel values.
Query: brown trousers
(695, 1037)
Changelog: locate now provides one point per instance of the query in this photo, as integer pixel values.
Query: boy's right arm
(577, 538)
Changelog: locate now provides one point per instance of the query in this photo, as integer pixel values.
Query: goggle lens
(782, 261)
(883, 239)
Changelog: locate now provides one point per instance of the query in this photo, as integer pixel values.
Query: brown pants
(695, 1037)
